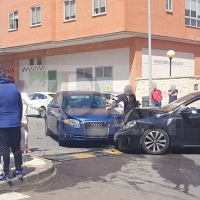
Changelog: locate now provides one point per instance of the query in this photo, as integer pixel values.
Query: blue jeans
(157, 104)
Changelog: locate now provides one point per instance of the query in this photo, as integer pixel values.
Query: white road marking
(13, 196)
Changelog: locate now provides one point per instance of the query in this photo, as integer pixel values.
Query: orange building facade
(97, 44)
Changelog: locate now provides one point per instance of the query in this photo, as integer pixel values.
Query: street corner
(35, 169)
(84, 155)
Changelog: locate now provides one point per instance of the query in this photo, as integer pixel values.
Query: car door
(50, 114)
(36, 100)
(190, 124)
(55, 114)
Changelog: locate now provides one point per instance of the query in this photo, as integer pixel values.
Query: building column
(197, 64)
(135, 60)
(16, 70)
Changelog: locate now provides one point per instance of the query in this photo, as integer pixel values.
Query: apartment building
(97, 45)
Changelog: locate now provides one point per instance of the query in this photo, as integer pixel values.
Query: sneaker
(18, 174)
(7, 178)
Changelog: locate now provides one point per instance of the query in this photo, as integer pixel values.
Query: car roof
(81, 92)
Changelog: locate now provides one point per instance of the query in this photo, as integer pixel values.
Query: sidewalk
(34, 169)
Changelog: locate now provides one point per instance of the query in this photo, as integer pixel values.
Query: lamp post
(170, 55)
(149, 48)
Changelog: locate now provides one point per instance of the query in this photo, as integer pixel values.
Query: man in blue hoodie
(10, 122)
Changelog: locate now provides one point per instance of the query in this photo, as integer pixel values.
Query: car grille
(96, 129)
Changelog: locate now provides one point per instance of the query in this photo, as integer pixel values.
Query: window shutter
(96, 4)
(33, 16)
(102, 3)
(73, 8)
(66, 9)
(38, 14)
(11, 21)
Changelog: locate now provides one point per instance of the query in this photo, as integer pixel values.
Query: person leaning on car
(129, 99)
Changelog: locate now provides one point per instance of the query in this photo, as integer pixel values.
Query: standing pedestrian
(129, 99)
(173, 93)
(10, 122)
(156, 96)
(22, 86)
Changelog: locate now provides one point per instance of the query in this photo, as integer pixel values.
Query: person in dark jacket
(10, 122)
(129, 99)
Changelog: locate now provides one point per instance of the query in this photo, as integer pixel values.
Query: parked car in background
(40, 100)
(81, 116)
(155, 130)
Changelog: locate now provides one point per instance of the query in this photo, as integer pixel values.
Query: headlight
(129, 125)
(72, 122)
(117, 122)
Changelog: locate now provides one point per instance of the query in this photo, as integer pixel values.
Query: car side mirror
(186, 112)
(54, 105)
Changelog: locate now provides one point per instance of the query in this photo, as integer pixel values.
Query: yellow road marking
(83, 155)
(112, 151)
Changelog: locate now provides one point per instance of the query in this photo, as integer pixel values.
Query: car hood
(141, 113)
(92, 114)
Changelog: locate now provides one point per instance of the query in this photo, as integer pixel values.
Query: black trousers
(11, 138)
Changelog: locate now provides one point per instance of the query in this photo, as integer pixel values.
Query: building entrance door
(52, 81)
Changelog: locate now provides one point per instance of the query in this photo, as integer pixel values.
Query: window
(13, 21)
(103, 72)
(32, 61)
(36, 16)
(70, 10)
(83, 74)
(99, 7)
(169, 5)
(39, 61)
(192, 13)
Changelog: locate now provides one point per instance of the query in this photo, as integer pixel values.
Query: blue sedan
(81, 116)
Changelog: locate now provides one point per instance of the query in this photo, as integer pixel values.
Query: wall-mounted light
(196, 87)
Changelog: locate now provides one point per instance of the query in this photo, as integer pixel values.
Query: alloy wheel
(155, 142)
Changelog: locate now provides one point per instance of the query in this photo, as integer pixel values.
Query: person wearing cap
(173, 93)
(129, 99)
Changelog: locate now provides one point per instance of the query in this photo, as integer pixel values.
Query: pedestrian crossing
(13, 196)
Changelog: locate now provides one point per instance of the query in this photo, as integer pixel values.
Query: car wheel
(155, 142)
(61, 143)
(47, 130)
(43, 112)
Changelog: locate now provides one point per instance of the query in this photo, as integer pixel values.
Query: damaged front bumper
(128, 139)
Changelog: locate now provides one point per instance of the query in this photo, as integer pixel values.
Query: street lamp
(170, 55)
(150, 54)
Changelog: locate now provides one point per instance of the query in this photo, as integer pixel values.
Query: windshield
(177, 103)
(83, 101)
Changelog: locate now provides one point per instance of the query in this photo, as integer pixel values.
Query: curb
(30, 178)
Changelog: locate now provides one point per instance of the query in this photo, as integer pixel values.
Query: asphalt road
(120, 177)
